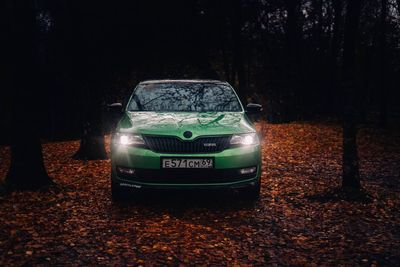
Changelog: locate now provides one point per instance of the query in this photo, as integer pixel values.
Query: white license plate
(186, 163)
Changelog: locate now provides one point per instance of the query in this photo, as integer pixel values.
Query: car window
(200, 97)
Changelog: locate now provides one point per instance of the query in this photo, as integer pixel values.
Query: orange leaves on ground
(296, 222)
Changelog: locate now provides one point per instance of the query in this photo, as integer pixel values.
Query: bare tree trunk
(293, 46)
(91, 71)
(27, 171)
(92, 146)
(227, 68)
(335, 47)
(337, 26)
(238, 60)
(382, 68)
(398, 6)
(351, 176)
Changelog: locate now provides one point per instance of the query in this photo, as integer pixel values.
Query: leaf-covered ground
(296, 222)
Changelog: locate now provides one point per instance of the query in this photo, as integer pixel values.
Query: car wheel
(252, 193)
(117, 193)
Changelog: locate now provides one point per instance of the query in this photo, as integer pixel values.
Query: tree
(293, 35)
(334, 53)
(382, 65)
(91, 72)
(337, 25)
(92, 145)
(351, 176)
(237, 48)
(398, 6)
(27, 170)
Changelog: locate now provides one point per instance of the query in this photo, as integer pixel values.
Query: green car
(185, 134)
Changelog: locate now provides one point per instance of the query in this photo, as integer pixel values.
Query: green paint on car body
(169, 126)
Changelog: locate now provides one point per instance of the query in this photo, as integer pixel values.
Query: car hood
(176, 123)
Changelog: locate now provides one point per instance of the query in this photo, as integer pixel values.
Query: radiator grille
(170, 144)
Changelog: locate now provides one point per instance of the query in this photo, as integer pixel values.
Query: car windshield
(184, 96)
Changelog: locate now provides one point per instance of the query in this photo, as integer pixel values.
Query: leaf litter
(299, 220)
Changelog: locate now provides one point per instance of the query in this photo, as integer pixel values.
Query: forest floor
(299, 220)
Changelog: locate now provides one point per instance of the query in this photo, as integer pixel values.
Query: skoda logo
(187, 134)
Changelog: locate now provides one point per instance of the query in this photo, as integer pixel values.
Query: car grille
(170, 144)
(193, 176)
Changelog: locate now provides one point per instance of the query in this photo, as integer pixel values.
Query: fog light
(126, 171)
(248, 170)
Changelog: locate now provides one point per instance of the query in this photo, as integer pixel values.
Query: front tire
(117, 193)
(252, 193)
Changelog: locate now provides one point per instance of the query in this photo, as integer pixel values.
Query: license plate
(186, 163)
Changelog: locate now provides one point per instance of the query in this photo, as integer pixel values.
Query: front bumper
(148, 173)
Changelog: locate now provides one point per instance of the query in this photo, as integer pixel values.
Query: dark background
(286, 55)
(332, 63)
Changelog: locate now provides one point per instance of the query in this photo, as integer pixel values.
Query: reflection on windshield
(200, 97)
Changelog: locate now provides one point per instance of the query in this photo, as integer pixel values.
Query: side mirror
(115, 108)
(253, 108)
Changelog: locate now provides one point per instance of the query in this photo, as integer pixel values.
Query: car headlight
(244, 139)
(129, 139)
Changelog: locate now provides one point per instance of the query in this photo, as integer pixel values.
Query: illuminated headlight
(245, 139)
(129, 139)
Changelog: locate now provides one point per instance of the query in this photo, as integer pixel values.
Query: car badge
(210, 144)
(187, 134)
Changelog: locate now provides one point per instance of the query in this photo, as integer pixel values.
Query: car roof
(182, 81)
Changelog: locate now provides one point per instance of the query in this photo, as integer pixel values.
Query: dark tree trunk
(382, 66)
(398, 7)
(92, 146)
(239, 71)
(337, 26)
(293, 46)
(227, 68)
(92, 73)
(27, 171)
(318, 31)
(351, 176)
(225, 43)
(292, 30)
(335, 48)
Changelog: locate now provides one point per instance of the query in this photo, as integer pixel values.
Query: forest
(327, 73)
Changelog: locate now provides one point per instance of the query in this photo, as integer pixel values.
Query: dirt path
(292, 224)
